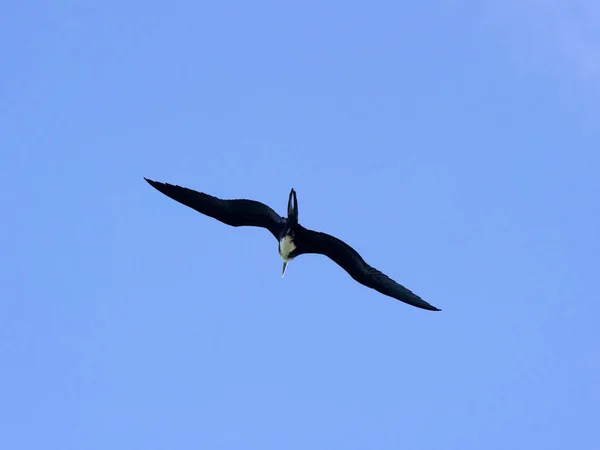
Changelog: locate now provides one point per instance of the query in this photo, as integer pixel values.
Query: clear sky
(454, 144)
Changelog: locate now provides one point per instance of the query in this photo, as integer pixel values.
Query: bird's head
(287, 248)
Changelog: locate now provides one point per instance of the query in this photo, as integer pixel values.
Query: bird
(294, 240)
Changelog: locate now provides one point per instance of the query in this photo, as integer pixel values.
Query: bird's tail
(292, 208)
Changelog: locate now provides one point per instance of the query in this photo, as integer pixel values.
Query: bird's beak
(285, 263)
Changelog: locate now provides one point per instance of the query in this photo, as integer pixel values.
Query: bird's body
(293, 239)
(286, 247)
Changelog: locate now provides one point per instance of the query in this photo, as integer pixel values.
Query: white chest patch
(286, 246)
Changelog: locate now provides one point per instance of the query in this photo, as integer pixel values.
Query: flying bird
(294, 240)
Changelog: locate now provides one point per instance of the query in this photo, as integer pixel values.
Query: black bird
(293, 238)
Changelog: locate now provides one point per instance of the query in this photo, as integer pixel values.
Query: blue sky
(455, 145)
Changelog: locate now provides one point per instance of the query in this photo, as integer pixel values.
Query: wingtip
(429, 307)
(156, 184)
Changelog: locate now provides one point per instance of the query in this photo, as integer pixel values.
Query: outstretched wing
(309, 241)
(237, 213)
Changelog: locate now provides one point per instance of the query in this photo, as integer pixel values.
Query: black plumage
(294, 239)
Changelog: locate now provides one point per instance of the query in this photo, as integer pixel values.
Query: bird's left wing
(310, 241)
(237, 212)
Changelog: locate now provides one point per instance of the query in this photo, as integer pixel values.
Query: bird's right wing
(310, 241)
(237, 213)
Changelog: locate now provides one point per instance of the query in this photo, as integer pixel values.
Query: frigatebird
(294, 240)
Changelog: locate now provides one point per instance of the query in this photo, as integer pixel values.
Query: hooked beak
(285, 263)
